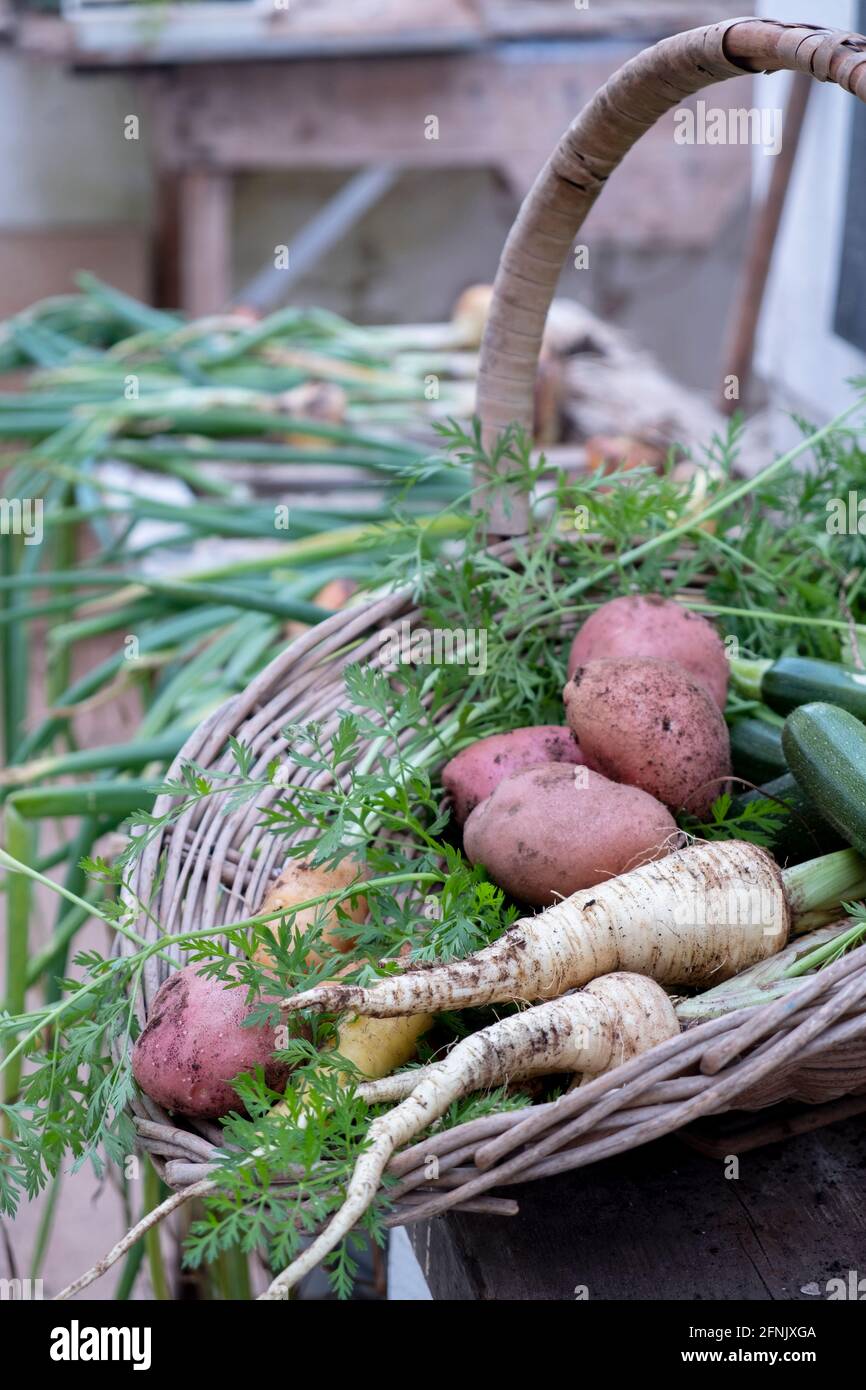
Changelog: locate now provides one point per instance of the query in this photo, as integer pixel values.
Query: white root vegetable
(611, 1020)
(696, 917)
(389, 1089)
(629, 1041)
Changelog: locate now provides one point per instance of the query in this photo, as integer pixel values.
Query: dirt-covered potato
(648, 625)
(476, 771)
(650, 724)
(194, 1044)
(547, 831)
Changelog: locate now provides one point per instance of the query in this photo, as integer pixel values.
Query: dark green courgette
(792, 681)
(826, 751)
(803, 832)
(756, 750)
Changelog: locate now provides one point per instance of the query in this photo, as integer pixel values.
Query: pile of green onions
(101, 378)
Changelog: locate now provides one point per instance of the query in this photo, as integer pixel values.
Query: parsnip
(628, 1042)
(696, 917)
(590, 1031)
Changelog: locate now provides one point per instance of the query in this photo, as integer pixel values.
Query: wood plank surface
(304, 28)
(664, 1222)
(504, 109)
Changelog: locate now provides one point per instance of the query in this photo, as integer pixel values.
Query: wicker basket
(810, 1046)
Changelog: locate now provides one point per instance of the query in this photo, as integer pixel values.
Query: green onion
(117, 799)
(20, 841)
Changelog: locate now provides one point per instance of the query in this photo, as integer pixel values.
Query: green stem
(128, 1275)
(721, 503)
(154, 1193)
(14, 663)
(768, 615)
(769, 716)
(748, 675)
(118, 799)
(59, 659)
(136, 754)
(830, 951)
(715, 1005)
(77, 882)
(332, 544)
(64, 635)
(234, 1275)
(20, 839)
(187, 594)
(46, 1225)
(821, 885)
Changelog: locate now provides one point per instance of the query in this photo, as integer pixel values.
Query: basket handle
(553, 211)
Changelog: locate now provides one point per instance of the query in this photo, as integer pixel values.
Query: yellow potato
(378, 1045)
(300, 881)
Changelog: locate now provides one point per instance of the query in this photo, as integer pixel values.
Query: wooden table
(664, 1222)
(346, 84)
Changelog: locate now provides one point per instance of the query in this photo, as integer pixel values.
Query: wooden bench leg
(205, 241)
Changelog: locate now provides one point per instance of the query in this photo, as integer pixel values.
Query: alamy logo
(745, 907)
(710, 125)
(846, 516)
(853, 1288)
(436, 646)
(77, 1343)
(22, 516)
(20, 1290)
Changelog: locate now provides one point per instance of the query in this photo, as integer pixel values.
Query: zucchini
(756, 750)
(804, 833)
(826, 751)
(792, 681)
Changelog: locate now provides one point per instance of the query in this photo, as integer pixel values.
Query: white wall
(63, 158)
(798, 352)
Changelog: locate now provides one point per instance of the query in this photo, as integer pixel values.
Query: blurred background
(366, 158)
(171, 148)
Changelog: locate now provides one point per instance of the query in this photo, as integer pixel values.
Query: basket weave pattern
(809, 1046)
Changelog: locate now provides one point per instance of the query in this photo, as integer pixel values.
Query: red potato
(194, 1044)
(648, 723)
(476, 771)
(548, 831)
(647, 625)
